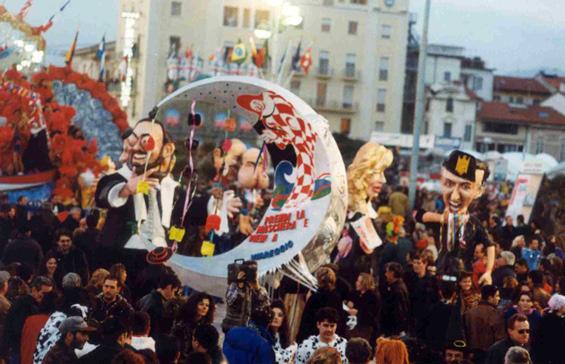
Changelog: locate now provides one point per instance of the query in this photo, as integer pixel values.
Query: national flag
(296, 58)
(71, 52)
(239, 54)
(101, 57)
(306, 60)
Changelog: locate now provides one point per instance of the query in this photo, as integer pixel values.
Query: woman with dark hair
(197, 310)
(48, 266)
(525, 306)
(283, 348)
(469, 296)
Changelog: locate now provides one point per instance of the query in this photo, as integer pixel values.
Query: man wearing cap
(74, 334)
(462, 182)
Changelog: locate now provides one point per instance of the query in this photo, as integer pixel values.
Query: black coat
(396, 309)
(88, 243)
(24, 307)
(368, 306)
(74, 261)
(154, 304)
(548, 340)
(23, 250)
(423, 295)
(496, 353)
(322, 298)
(104, 353)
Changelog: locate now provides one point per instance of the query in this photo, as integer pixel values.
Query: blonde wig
(371, 160)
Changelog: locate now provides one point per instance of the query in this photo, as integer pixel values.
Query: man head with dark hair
(116, 334)
(491, 294)
(154, 302)
(358, 351)
(110, 302)
(326, 322)
(140, 326)
(518, 334)
(40, 285)
(393, 272)
(205, 340)
(168, 351)
(69, 258)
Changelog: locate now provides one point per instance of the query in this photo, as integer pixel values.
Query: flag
(260, 58)
(188, 53)
(306, 60)
(296, 58)
(71, 52)
(101, 57)
(25, 8)
(239, 54)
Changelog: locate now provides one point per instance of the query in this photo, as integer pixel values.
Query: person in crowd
(69, 258)
(398, 201)
(391, 351)
(537, 287)
(243, 297)
(365, 304)
(358, 351)
(327, 319)
(518, 334)
(524, 305)
(455, 353)
(205, 340)
(119, 271)
(508, 233)
(547, 348)
(435, 327)
(199, 357)
(48, 266)
(115, 336)
(395, 302)
(326, 296)
(128, 356)
(517, 355)
(72, 221)
(484, 324)
(422, 288)
(504, 267)
(33, 325)
(140, 328)
(154, 302)
(197, 310)
(94, 286)
(110, 303)
(283, 348)
(23, 249)
(88, 240)
(5, 303)
(325, 355)
(21, 216)
(21, 309)
(17, 288)
(74, 334)
(518, 245)
(168, 350)
(252, 343)
(469, 295)
(521, 269)
(479, 263)
(532, 253)
(7, 225)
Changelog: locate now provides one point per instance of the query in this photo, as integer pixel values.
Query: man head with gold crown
(462, 182)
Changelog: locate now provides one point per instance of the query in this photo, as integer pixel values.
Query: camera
(249, 267)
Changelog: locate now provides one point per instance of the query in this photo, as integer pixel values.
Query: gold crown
(462, 165)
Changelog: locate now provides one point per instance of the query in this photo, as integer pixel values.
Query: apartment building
(85, 61)
(358, 52)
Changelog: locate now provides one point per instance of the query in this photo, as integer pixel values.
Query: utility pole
(419, 112)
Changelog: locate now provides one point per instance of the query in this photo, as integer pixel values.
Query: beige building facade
(358, 52)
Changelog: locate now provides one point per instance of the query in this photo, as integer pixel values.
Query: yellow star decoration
(462, 165)
(143, 187)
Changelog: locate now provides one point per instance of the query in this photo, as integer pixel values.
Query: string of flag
(45, 27)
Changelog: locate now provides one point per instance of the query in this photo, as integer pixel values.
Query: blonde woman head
(325, 355)
(365, 175)
(326, 278)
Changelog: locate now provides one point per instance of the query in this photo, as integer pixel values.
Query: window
(447, 129)
(496, 98)
(262, 17)
(326, 25)
(447, 76)
(295, 86)
(176, 8)
(519, 100)
(347, 96)
(246, 18)
(381, 100)
(468, 133)
(562, 151)
(324, 63)
(449, 105)
(477, 83)
(174, 44)
(352, 28)
(359, 2)
(379, 125)
(500, 128)
(539, 145)
(383, 69)
(321, 91)
(230, 16)
(537, 101)
(345, 126)
(386, 31)
(350, 59)
(511, 99)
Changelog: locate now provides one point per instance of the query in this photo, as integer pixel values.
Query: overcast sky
(511, 35)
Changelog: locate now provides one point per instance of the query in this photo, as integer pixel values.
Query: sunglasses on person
(524, 331)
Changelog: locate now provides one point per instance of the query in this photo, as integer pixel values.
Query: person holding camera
(244, 296)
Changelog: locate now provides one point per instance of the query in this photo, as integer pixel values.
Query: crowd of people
(60, 302)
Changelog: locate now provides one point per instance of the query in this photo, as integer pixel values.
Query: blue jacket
(244, 345)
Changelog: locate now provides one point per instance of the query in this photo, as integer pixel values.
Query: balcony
(298, 73)
(337, 106)
(324, 72)
(350, 74)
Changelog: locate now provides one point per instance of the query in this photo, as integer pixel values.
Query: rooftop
(519, 84)
(535, 114)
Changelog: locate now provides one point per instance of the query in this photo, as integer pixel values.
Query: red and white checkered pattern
(284, 127)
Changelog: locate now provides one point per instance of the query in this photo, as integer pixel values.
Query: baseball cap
(4, 276)
(74, 324)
